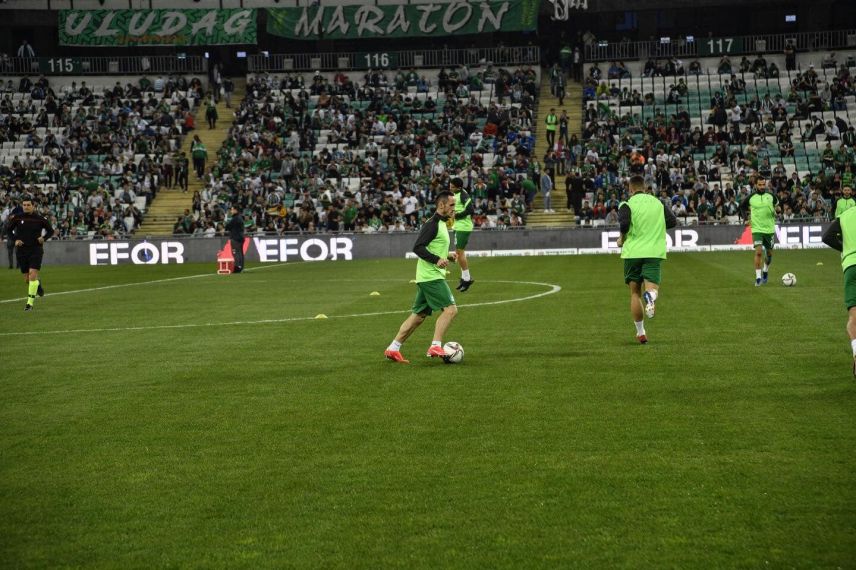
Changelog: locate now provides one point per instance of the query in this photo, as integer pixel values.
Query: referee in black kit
(235, 226)
(27, 232)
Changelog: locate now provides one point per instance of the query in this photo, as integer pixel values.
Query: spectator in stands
(848, 138)
(759, 66)
(546, 191)
(566, 57)
(578, 64)
(228, 90)
(188, 123)
(832, 131)
(790, 56)
(650, 68)
(199, 154)
(585, 214)
(551, 121)
(211, 113)
(695, 68)
(182, 171)
(216, 82)
(773, 70)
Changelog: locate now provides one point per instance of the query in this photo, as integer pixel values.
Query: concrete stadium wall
(346, 247)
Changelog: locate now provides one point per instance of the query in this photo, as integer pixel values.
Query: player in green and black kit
(463, 228)
(432, 291)
(841, 235)
(643, 220)
(759, 211)
(845, 202)
(29, 231)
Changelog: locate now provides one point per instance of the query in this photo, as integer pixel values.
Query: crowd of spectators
(93, 158)
(369, 153)
(745, 133)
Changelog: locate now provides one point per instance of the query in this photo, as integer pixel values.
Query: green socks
(33, 288)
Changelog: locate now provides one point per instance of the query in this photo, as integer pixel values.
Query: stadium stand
(91, 150)
(698, 133)
(367, 152)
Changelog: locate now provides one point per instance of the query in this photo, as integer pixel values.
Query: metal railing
(71, 65)
(680, 47)
(525, 55)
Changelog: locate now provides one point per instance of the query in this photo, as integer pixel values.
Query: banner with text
(109, 28)
(345, 247)
(427, 19)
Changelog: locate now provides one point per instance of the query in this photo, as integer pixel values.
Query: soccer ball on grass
(454, 353)
(789, 279)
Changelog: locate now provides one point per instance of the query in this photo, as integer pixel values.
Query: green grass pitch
(151, 426)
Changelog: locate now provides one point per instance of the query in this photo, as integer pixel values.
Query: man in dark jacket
(235, 227)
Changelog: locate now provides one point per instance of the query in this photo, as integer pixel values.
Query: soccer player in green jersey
(432, 291)
(841, 235)
(759, 211)
(643, 220)
(463, 228)
(845, 202)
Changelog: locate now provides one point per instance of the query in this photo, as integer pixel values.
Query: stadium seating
(90, 150)
(615, 110)
(367, 151)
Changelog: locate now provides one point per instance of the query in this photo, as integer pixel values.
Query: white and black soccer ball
(454, 352)
(789, 279)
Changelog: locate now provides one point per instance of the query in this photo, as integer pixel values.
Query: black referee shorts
(30, 258)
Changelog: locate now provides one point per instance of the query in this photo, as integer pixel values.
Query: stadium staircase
(562, 217)
(169, 204)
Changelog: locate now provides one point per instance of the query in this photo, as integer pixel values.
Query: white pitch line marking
(137, 283)
(552, 289)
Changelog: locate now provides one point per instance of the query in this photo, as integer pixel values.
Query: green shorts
(850, 287)
(766, 240)
(432, 296)
(642, 269)
(462, 238)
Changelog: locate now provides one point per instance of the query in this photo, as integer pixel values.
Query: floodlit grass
(728, 441)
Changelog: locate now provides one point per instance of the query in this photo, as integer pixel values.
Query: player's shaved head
(442, 197)
(636, 184)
